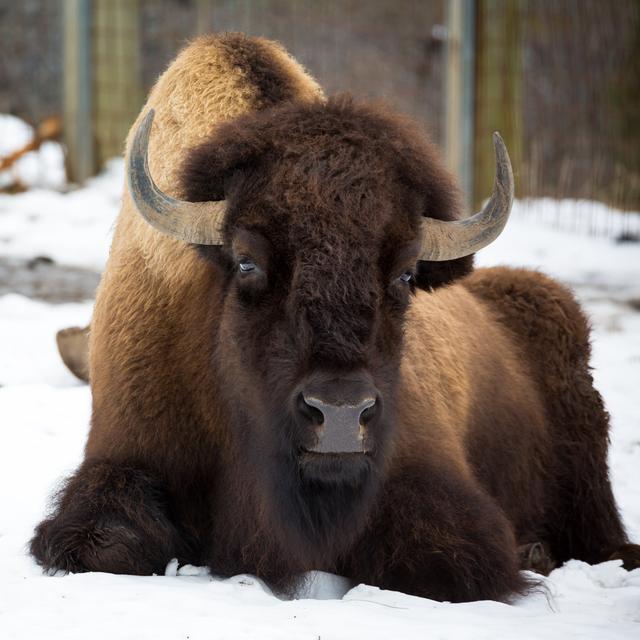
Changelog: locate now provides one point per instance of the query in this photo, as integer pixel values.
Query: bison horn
(442, 240)
(194, 222)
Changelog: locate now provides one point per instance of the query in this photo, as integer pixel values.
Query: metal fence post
(78, 133)
(459, 92)
(498, 88)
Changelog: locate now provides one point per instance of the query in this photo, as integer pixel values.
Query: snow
(41, 168)
(44, 416)
(72, 228)
(14, 134)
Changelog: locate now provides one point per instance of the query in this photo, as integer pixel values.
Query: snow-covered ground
(44, 414)
(72, 228)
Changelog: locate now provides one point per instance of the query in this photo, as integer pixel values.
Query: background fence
(561, 80)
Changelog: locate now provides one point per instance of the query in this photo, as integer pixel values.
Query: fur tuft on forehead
(336, 158)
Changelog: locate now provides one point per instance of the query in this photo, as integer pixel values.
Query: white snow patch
(73, 228)
(41, 168)
(14, 134)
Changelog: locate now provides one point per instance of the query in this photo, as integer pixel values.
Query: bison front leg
(438, 536)
(108, 517)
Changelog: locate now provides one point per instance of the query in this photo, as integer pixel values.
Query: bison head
(321, 220)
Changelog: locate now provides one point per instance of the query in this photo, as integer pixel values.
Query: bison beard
(216, 371)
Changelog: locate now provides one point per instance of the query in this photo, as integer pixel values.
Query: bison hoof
(536, 557)
(109, 545)
(629, 554)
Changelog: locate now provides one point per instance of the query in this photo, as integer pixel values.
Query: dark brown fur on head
(357, 164)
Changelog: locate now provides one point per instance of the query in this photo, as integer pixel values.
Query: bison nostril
(312, 414)
(369, 412)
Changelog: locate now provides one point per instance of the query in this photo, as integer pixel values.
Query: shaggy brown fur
(488, 433)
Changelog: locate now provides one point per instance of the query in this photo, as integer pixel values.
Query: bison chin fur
(321, 513)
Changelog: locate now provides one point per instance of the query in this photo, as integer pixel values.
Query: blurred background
(560, 80)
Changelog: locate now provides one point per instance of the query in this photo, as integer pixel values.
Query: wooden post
(498, 89)
(459, 88)
(78, 133)
(117, 84)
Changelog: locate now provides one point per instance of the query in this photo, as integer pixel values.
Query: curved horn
(194, 222)
(443, 240)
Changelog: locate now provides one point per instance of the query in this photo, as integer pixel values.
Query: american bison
(294, 365)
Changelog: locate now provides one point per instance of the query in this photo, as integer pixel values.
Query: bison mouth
(335, 468)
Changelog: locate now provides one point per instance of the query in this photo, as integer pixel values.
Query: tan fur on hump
(305, 87)
(201, 88)
(147, 270)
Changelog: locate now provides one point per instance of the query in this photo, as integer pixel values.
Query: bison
(294, 365)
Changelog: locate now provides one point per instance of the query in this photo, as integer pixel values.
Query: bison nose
(341, 425)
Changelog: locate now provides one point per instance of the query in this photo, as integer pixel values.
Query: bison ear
(431, 275)
(213, 167)
(206, 172)
(214, 170)
(434, 194)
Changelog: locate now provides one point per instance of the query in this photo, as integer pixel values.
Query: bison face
(311, 336)
(317, 219)
(319, 270)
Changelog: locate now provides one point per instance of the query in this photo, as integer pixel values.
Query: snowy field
(44, 415)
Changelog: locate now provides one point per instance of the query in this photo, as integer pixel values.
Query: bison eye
(406, 277)
(245, 265)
